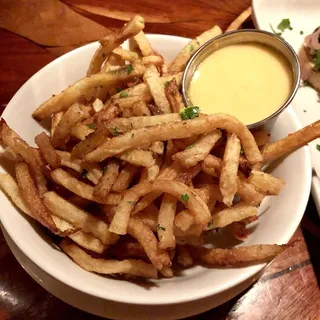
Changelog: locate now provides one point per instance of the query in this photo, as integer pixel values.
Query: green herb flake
(305, 84)
(104, 169)
(132, 135)
(304, 110)
(191, 48)
(318, 147)
(284, 24)
(126, 153)
(115, 131)
(184, 197)
(301, 32)
(190, 113)
(190, 146)
(166, 84)
(198, 43)
(84, 173)
(132, 202)
(274, 31)
(92, 125)
(129, 68)
(119, 90)
(123, 94)
(210, 225)
(317, 61)
(160, 228)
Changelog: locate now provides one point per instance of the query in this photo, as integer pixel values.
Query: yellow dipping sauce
(249, 81)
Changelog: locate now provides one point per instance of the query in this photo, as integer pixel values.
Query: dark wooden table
(289, 287)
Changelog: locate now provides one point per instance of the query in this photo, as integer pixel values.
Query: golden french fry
(153, 59)
(262, 137)
(112, 61)
(138, 157)
(128, 248)
(47, 151)
(247, 192)
(151, 77)
(180, 61)
(126, 55)
(179, 130)
(184, 219)
(128, 102)
(104, 185)
(88, 241)
(106, 114)
(173, 95)
(55, 121)
(229, 169)
(183, 257)
(125, 178)
(157, 147)
(85, 261)
(140, 108)
(143, 44)
(238, 229)
(265, 183)
(81, 131)
(149, 216)
(237, 23)
(198, 151)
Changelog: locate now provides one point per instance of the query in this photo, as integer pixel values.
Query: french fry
(198, 151)
(229, 169)
(179, 130)
(128, 248)
(149, 216)
(81, 131)
(165, 222)
(79, 218)
(265, 183)
(173, 95)
(138, 157)
(126, 55)
(140, 108)
(183, 257)
(112, 41)
(262, 137)
(180, 61)
(47, 150)
(97, 105)
(144, 235)
(55, 121)
(151, 77)
(80, 188)
(247, 192)
(236, 256)
(106, 114)
(69, 96)
(237, 23)
(104, 185)
(9, 154)
(157, 147)
(125, 178)
(143, 43)
(128, 102)
(152, 59)
(91, 171)
(184, 219)
(88, 242)
(291, 143)
(238, 229)
(112, 61)
(85, 261)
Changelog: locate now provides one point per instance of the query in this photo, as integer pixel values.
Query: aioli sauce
(249, 81)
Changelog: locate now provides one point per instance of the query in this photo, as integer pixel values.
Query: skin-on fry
(81, 131)
(179, 130)
(144, 235)
(112, 41)
(66, 98)
(236, 256)
(104, 185)
(134, 267)
(247, 192)
(180, 61)
(265, 183)
(80, 188)
(238, 212)
(138, 157)
(237, 23)
(106, 114)
(125, 178)
(182, 192)
(54, 121)
(151, 77)
(174, 96)
(79, 218)
(165, 222)
(229, 170)
(292, 142)
(198, 151)
(143, 44)
(91, 171)
(47, 150)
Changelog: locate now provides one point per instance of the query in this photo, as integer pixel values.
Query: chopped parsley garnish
(167, 83)
(132, 135)
(191, 48)
(126, 153)
(210, 225)
(190, 146)
(132, 202)
(190, 113)
(84, 173)
(304, 110)
(274, 31)
(123, 94)
(284, 24)
(160, 228)
(198, 43)
(318, 147)
(92, 125)
(184, 197)
(115, 131)
(301, 32)
(129, 68)
(317, 61)
(118, 90)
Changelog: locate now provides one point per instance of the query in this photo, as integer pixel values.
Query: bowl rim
(27, 250)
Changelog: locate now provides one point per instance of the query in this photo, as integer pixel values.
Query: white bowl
(280, 219)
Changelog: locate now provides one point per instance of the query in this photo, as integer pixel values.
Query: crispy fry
(128, 102)
(229, 170)
(125, 178)
(180, 61)
(236, 256)
(128, 248)
(157, 147)
(184, 219)
(144, 235)
(133, 267)
(143, 43)
(138, 157)
(165, 222)
(149, 216)
(126, 55)
(238, 229)
(104, 185)
(198, 151)
(88, 242)
(79, 218)
(262, 137)
(151, 77)
(237, 23)
(173, 95)
(69, 96)
(247, 192)
(112, 61)
(107, 114)
(55, 121)
(265, 183)
(81, 131)
(183, 257)
(140, 108)
(153, 59)
(47, 150)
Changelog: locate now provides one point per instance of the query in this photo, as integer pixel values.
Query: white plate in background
(304, 17)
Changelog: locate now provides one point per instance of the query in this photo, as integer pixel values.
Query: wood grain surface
(289, 287)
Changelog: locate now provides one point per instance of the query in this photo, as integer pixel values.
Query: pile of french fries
(132, 180)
